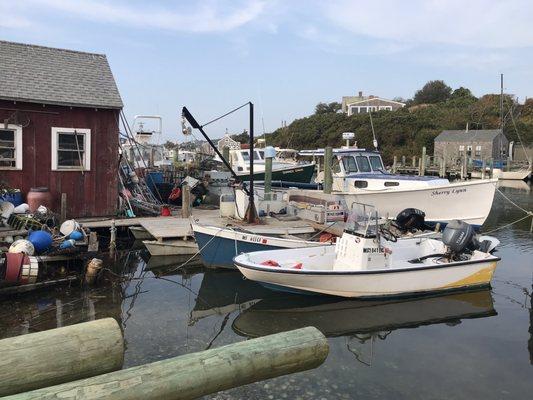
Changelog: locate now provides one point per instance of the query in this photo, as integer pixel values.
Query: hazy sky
(285, 56)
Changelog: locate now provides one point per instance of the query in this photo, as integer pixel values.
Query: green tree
(433, 92)
(170, 145)
(242, 137)
(327, 108)
(462, 93)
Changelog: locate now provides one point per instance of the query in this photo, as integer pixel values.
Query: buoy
(94, 266)
(67, 244)
(76, 235)
(165, 211)
(6, 209)
(68, 227)
(22, 246)
(41, 240)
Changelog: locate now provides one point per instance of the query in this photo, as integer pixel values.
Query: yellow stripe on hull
(481, 277)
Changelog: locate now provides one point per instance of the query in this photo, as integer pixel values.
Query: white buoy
(68, 227)
(22, 246)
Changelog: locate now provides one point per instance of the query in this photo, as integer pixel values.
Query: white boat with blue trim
(367, 263)
(359, 176)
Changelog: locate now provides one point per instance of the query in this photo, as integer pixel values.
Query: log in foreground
(60, 355)
(198, 374)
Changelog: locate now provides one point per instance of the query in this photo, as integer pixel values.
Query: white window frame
(461, 147)
(87, 150)
(18, 146)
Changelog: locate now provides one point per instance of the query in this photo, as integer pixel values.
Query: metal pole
(196, 125)
(501, 102)
(251, 213)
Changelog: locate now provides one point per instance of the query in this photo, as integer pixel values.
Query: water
(460, 346)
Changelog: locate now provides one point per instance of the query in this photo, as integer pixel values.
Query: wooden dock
(176, 227)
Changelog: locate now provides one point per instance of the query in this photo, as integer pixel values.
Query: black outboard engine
(410, 220)
(460, 238)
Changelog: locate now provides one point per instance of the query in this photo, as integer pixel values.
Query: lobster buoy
(22, 246)
(41, 240)
(21, 268)
(76, 235)
(68, 227)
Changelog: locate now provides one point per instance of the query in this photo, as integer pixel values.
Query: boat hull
(219, 246)
(170, 247)
(380, 283)
(467, 201)
(298, 173)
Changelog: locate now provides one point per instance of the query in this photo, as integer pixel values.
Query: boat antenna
(375, 141)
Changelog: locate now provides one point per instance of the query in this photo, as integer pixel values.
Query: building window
(11, 147)
(385, 108)
(478, 151)
(71, 149)
(461, 148)
(362, 110)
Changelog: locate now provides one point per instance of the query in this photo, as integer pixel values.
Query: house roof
(370, 99)
(480, 135)
(48, 75)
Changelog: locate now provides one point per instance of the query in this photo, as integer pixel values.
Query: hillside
(405, 131)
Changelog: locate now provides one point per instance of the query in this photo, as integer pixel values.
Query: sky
(284, 56)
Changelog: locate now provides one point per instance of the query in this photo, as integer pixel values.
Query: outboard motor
(459, 237)
(411, 219)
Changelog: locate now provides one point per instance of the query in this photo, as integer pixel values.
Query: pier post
(225, 153)
(403, 161)
(394, 165)
(414, 161)
(270, 153)
(423, 162)
(195, 375)
(483, 166)
(328, 178)
(185, 201)
(60, 355)
(113, 238)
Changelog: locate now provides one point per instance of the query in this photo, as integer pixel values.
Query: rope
(530, 214)
(225, 115)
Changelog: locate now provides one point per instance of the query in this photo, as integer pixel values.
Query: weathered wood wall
(93, 193)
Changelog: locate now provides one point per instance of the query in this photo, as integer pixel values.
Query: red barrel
(39, 196)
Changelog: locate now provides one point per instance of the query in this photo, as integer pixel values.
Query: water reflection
(336, 317)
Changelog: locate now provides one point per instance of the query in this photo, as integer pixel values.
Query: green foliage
(327, 108)
(405, 131)
(433, 92)
(241, 137)
(170, 145)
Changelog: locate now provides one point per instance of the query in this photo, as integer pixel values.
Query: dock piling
(60, 355)
(185, 201)
(328, 178)
(195, 375)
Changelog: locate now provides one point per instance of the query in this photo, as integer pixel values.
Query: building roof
(48, 75)
(480, 135)
(350, 101)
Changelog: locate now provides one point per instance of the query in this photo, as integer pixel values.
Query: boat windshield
(245, 156)
(361, 218)
(376, 163)
(349, 164)
(258, 155)
(364, 165)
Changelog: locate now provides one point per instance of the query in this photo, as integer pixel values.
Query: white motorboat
(360, 177)
(370, 262)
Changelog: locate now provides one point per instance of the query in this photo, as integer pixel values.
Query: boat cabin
(355, 169)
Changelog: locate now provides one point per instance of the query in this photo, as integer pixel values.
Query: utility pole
(501, 102)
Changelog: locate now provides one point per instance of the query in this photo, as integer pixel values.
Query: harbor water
(476, 344)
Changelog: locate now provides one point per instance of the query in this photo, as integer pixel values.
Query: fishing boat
(369, 261)
(282, 169)
(359, 176)
(219, 245)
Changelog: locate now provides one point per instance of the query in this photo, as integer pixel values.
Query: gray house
(362, 104)
(476, 144)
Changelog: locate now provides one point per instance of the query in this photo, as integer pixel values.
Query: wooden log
(198, 374)
(60, 355)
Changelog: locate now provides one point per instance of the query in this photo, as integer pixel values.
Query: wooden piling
(185, 201)
(403, 161)
(414, 161)
(395, 165)
(268, 176)
(483, 166)
(113, 238)
(328, 178)
(423, 162)
(60, 355)
(194, 375)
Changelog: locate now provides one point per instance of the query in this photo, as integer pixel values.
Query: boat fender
(387, 250)
(175, 194)
(297, 266)
(326, 237)
(270, 263)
